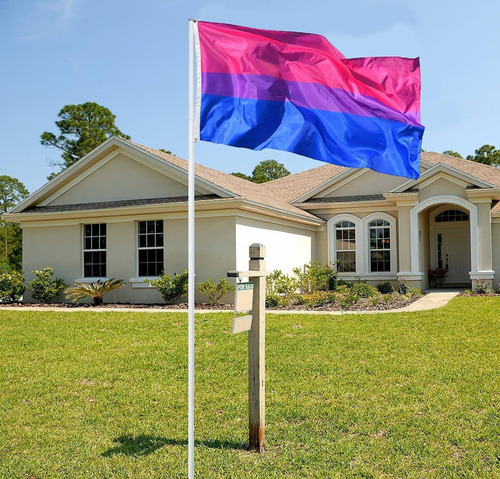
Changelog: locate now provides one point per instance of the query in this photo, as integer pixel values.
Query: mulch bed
(396, 301)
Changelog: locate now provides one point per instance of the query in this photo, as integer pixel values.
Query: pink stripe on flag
(307, 58)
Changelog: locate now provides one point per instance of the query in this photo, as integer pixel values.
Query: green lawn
(98, 395)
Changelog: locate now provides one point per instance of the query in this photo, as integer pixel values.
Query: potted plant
(438, 277)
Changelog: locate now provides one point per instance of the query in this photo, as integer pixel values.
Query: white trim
(409, 276)
(482, 275)
(138, 282)
(428, 177)
(450, 200)
(362, 245)
(393, 249)
(331, 240)
(91, 280)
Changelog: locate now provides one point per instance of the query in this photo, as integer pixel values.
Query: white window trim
(137, 280)
(90, 279)
(366, 240)
(362, 245)
(332, 244)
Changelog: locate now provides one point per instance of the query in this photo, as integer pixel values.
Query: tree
(486, 154)
(12, 191)
(267, 170)
(452, 153)
(81, 129)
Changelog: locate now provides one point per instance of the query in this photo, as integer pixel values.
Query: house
(121, 212)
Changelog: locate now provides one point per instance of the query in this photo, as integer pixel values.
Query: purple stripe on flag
(301, 94)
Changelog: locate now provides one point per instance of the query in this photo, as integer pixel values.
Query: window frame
(393, 244)
(332, 243)
(85, 250)
(350, 227)
(139, 248)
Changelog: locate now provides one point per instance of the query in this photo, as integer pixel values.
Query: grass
(97, 395)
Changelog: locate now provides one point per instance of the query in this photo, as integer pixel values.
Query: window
(94, 251)
(345, 246)
(451, 215)
(380, 246)
(150, 248)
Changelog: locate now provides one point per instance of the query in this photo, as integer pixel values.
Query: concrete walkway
(435, 298)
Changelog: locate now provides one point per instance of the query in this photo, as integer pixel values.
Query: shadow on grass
(143, 445)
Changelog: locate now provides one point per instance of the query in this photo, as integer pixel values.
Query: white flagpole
(191, 288)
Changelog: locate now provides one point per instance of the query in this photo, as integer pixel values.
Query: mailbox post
(256, 346)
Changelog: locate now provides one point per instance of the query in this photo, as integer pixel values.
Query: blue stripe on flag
(344, 139)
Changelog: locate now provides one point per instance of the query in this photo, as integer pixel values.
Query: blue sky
(131, 56)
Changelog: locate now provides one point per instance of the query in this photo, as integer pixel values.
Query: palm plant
(95, 290)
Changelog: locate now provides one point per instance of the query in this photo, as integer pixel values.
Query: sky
(131, 57)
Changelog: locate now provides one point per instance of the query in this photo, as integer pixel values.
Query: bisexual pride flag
(296, 92)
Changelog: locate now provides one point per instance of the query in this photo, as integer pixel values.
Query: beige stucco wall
(122, 178)
(60, 247)
(368, 183)
(495, 233)
(441, 187)
(286, 247)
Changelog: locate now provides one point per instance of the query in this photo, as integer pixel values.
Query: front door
(453, 251)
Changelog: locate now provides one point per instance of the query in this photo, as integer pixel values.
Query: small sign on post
(252, 296)
(243, 297)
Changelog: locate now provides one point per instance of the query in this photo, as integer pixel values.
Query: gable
(361, 182)
(119, 177)
(443, 185)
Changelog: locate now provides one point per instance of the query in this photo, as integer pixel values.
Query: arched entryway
(449, 243)
(444, 231)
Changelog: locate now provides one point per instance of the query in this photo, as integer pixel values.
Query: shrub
(387, 298)
(385, 287)
(44, 288)
(404, 287)
(215, 291)
(414, 293)
(375, 301)
(171, 289)
(319, 298)
(11, 286)
(95, 290)
(348, 299)
(279, 283)
(315, 277)
(363, 290)
(482, 287)
(272, 300)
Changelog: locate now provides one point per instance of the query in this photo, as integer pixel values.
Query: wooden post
(256, 351)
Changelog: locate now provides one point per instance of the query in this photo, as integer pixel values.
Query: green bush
(385, 287)
(171, 289)
(482, 287)
(215, 291)
(318, 298)
(363, 290)
(95, 290)
(315, 276)
(404, 286)
(414, 293)
(278, 283)
(348, 300)
(11, 286)
(272, 300)
(44, 287)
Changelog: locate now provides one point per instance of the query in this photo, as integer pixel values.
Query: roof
(247, 190)
(115, 204)
(293, 186)
(491, 174)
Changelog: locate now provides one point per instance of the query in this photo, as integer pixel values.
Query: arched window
(380, 245)
(451, 215)
(345, 247)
